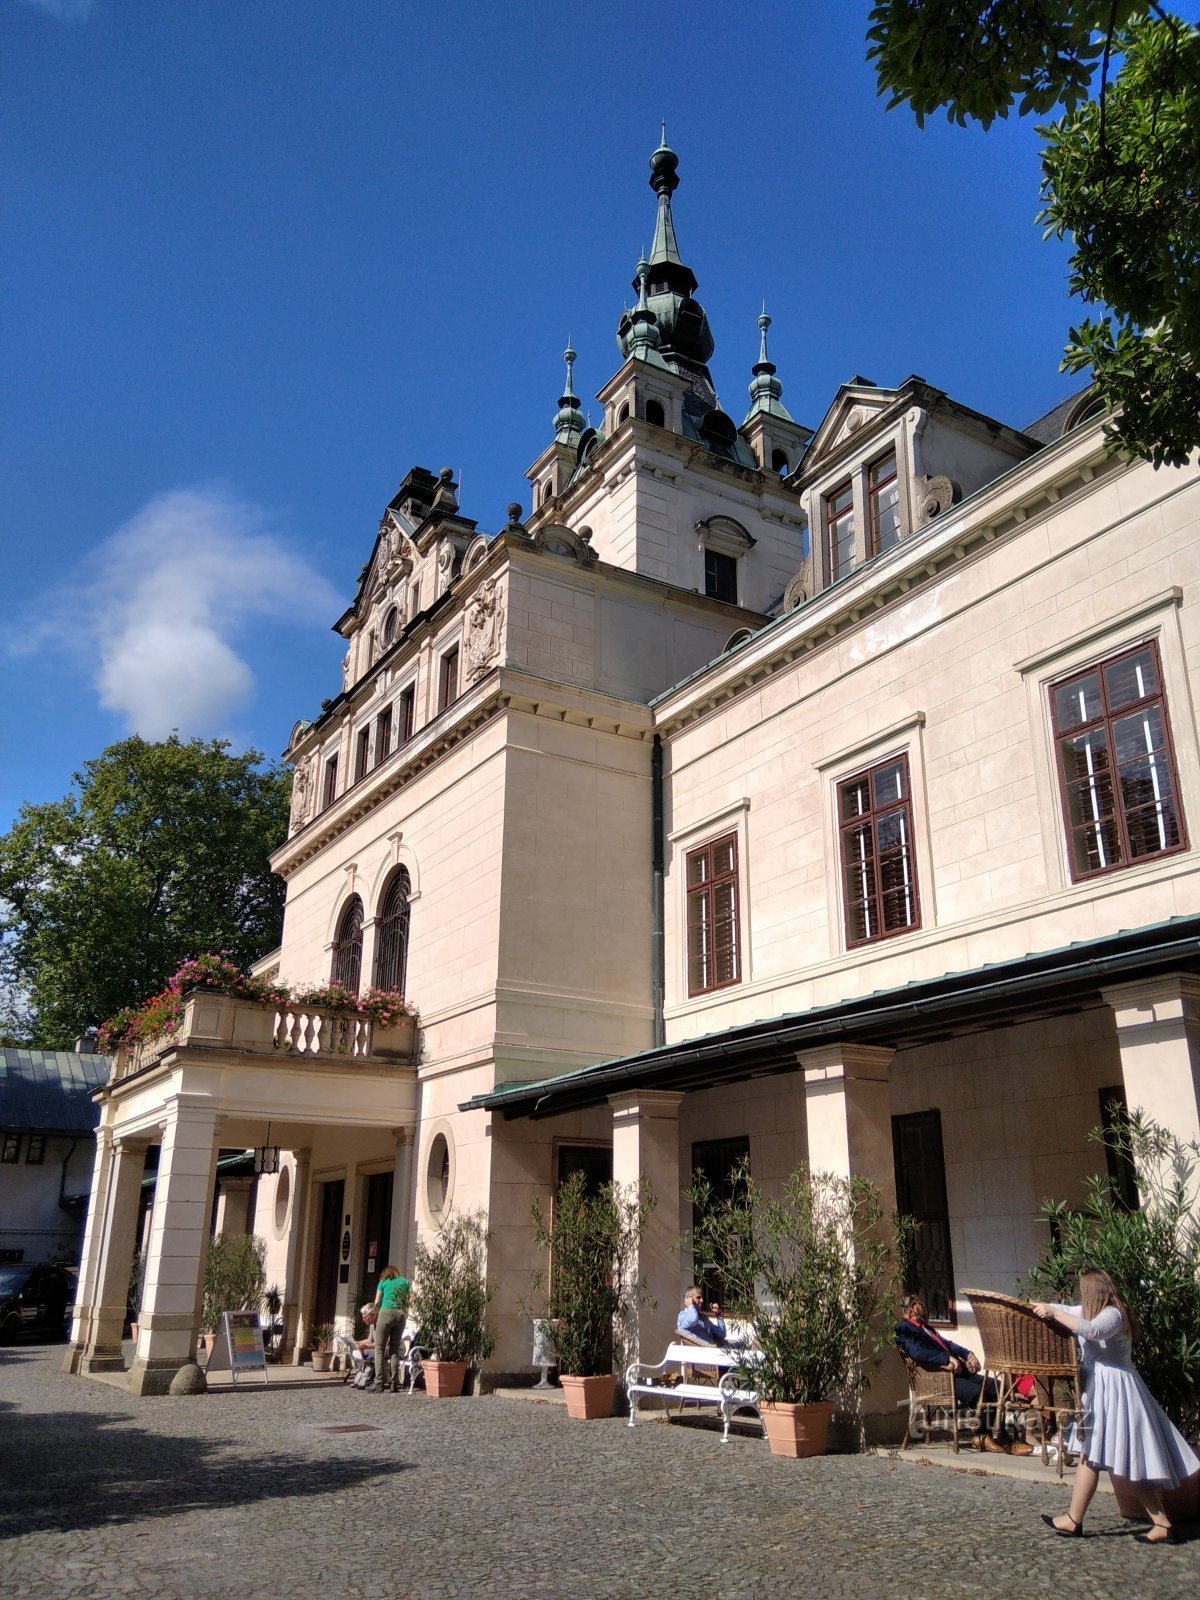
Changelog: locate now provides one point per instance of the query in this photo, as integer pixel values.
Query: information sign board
(239, 1347)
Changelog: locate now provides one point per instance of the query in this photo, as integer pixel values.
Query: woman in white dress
(1126, 1433)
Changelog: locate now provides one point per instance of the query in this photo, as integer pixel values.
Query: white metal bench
(642, 1378)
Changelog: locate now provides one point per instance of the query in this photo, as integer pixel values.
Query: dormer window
(883, 503)
(839, 525)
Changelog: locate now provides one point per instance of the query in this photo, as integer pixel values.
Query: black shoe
(1075, 1531)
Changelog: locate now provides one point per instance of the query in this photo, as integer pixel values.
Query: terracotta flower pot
(589, 1398)
(208, 1340)
(444, 1379)
(321, 1360)
(133, 1331)
(794, 1430)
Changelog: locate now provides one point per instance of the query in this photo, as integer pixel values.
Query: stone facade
(742, 629)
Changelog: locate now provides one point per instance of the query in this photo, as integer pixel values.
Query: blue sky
(261, 257)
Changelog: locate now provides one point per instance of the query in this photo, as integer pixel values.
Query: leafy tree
(160, 852)
(1120, 172)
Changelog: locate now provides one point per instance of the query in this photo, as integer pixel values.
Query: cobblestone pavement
(247, 1495)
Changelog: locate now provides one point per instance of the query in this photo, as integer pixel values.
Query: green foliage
(809, 1267)
(233, 1276)
(160, 851)
(592, 1288)
(1151, 1254)
(451, 1292)
(137, 1282)
(1119, 169)
(320, 1334)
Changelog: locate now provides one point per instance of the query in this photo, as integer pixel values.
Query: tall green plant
(1152, 1254)
(592, 1289)
(451, 1292)
(234, 1276)
(809, 1267)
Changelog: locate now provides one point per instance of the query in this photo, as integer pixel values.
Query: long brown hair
(1097, 1291)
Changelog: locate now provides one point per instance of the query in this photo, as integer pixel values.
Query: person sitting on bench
(696, 1322)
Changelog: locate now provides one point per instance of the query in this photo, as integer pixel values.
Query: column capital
(1171, 998)
(403, 1136)
(828, 1062)
(635, 1105)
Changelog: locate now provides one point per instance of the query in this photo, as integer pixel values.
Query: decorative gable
(856, 407)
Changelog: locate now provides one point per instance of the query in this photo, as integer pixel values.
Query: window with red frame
(839, 524)
(449, 682)
(1116, 766)
(713, 956)
(879, 875)
(383, 735)
(883, 501)
(362, 753)
(407, 704)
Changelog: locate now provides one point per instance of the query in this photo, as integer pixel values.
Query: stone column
(233, 1205)
(89, 1258)
(179, 1231)
(1158, 1031)
(849, 1115)
(300, 1249)
(401, 1242)
(117, 1206)
(646, 1147)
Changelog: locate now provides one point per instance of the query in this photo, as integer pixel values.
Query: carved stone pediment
(556, 539)
(395, 556)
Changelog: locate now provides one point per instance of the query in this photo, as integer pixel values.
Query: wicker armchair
(701, 1373)
(931, 1402)
(1015, 1341)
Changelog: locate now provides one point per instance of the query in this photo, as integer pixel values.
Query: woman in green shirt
(391, 1302)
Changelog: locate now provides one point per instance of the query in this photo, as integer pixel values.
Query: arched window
(622, 415)
(391, 934)
(391, 625)
(779, 463)
(347, 947)
(655, 414)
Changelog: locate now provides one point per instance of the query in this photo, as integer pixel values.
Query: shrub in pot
(449, 1302)
(809, 1267)
(1139, 1224)
(133, 1295)
(592, 1289)
(319, 1336)
(234, 1278)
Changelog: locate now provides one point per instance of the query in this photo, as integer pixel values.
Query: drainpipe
(62, 1182)
(657, 937)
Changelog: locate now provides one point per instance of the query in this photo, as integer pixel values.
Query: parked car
(35, 1299)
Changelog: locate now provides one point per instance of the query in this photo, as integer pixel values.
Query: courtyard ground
(250, 1495)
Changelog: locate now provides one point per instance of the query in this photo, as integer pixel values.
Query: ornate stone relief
(484, 620)
(800, 587)
(445, 565)
(302, 783)
(394, 560)
(933, 496)
(346, 668)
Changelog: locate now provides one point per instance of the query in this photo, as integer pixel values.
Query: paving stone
(237, 1496)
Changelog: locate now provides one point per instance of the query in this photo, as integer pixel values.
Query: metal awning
(1049, 983)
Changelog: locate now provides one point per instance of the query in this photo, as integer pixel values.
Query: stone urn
(796, 1430)
(589, 1398)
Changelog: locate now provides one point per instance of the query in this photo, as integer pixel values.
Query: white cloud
(166, 600)
(64, 10)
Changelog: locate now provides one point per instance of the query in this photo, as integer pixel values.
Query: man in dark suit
(927, 1348)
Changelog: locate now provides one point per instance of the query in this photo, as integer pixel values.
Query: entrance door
(328, 1251)
(377, 1231)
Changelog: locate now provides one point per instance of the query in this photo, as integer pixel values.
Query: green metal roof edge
(1144, 942)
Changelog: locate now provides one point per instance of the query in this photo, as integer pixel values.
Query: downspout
(657, 936)
(62, 1182)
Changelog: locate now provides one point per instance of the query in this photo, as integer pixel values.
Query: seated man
(695, 1322)
(926, 1348)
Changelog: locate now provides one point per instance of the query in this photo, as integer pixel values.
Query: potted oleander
(808, 1266)
(591, 1288)
(449, 1303)
(234, 1278)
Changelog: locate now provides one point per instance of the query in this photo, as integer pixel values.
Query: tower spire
(568, 420)
(765, 388)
